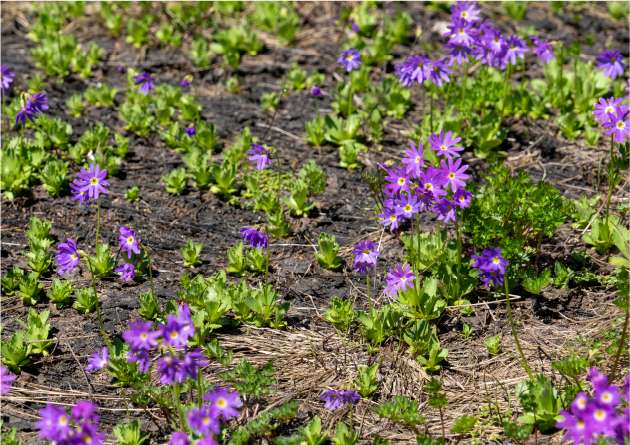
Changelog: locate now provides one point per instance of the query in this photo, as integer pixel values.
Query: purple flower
(185, 82)
(413, 69)
(6, 77)
(179, 438)
(191, 131)
(438, 72)
(462, 33)
(178, 328)
(578, 430)
(120, 68)
(98, 360)
(396, 181)
(610, 62)
(254, 238)
(192, 361)
(607, 396)
(142, 358)
(226, 403)
(414, 160)
(463, 10)
(618, 125)
(454, 172)
(31, 107)
(401, 277)
(445, 210)
(89, 184)
(445, 144)
(128, 242)
(204, 420)
(433, 181)
(260, 155)
(491, 46)
(316, 91)
(354, 27)
(6, 380)
(146, 82)
(67, 257)
(543, 50)
(140, 336)
(350, 59)
(491, 266)
(169, 369)
(127, 272)
(366, 254)
(462, 198)
(605, 109)
(208, 440)
(408, 206)
(516, 49)
(63, 429)
(389, 218)
(458, 53)
(335, 398)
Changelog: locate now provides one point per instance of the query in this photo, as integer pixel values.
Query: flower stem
(431, 111)
(458, 233)
(99, 313)
(622, 343)
(369, 290)
(611, 178)
(524, 362)
(98, 223)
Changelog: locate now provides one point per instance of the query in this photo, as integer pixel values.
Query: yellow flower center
(580, 424)
(462, 31)
(393, 218)
(495, 260)
(63, 421)
(408, 208)
(581, 403)
(173, 334)
(349, 57)
(206, 421)
(599, 415)
(403, 279)
(221, 402)
(94, 181)
(462, 198)
(144, 336)
(621, 125)
(417, 159)
(87, 439)
(401, 181)
(74, 257)
(428, 186)
(609, 109)
(130, 240)
(443, 147)
(464, 14)
(451, 175)
(606, 397)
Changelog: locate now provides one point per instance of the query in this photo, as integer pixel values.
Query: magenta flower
(254, 238)
(610, 62)
(54, 424)
(98, 360)
(454, 172)
(6, 380)
(127, 241)
(516, 49)
(462, 33)
(146, 82)
(350, 60)
(127, 272)
(31, 107)
(543, 50)
(399, 278)
(463, 10)
(445, 210)
(414, 68)
(224, 402)
(445, 144)
(92, 183)
(414, 160)
(260, 155)
(577, 430)
(618, 125)
(178, 328)
(366, 254)
(407, 206)
(81, 426)
(204, 421)
(67, 257)
(605, 109)
(6, 77)
(334, 398)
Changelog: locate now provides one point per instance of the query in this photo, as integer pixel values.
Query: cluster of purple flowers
(6, 78)
(399, 278)
(420, 68)
(491, 266)
(365, 256)
(613, 115)
(177, 362)
(259, 155)
(337, 398)
(600, 416)
(127, 242)
(6, 380)
(205, 421)
(89, 184)
(80, 426)
(32, 105)
(350, 60)
(254, 238)
(411, 188)
(145, 81)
